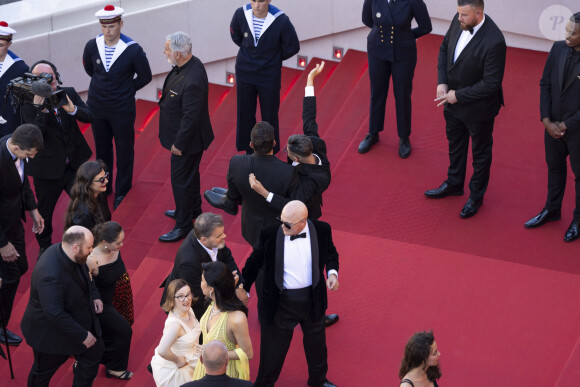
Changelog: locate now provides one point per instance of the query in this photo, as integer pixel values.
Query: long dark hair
(417, 352)
(81, 192)
(220, 278)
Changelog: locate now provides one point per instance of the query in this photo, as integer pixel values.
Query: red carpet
(501, 299)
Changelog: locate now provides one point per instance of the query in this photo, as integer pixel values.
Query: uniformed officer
(392, 51)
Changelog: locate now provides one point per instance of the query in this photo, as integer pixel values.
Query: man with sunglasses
(294, 257)
(65, 148)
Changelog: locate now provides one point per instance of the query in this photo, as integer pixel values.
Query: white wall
(57, 30)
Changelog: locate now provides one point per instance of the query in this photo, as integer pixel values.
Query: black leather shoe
(443, 191)
(221, 201)
(326, 383)
(118, 200)
(330, 319)
(572, 233)
(175, 235)
(470, 208)
(170, 213)
(404, 148)
(220, 190)
(13, 338)
(366, 144)
(544, 216)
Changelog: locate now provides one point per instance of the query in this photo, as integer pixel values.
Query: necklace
(214, 311)
(182, 318)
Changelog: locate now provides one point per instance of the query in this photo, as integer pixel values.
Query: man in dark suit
(560, 113)
(16, 198)
(205, 243)
(392, 52)
(184, 129)
(294, 257)
(65, 148)
(214, 358)
(275, 174)
(470, 73)
(60, 319)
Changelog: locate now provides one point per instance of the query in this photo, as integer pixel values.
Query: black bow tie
(302, 235)
(470, 31)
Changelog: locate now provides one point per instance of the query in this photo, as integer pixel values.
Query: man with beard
(60, 318)
(205, 243)
(470, 73)
(560, 113)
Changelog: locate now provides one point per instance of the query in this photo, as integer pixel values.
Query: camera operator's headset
(53, 67)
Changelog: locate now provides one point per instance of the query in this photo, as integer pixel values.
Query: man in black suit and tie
(470, 73)
(275, 174)
(16, 198)
(60, 319)
(184, 129)
(205, 243)
(65, 148)
(560, 113)
(214, 358)
(294, 258)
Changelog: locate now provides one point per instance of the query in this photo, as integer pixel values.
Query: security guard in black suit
(392, 51)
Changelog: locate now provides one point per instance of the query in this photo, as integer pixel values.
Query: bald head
(42, 68)
(294, 214)
(77, 243)
(215, 358)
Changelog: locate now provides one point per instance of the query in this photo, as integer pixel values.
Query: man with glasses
(294, 257)
(205, 243)
(65, 148)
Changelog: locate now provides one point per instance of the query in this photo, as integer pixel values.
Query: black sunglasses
(288, 225)
(102, 179)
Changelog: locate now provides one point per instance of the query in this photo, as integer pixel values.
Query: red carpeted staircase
(501, 299)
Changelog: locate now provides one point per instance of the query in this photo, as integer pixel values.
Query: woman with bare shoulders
(420, 365)
(225, 320)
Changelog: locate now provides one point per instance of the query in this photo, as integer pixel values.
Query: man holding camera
(55, 110)
(11, 67)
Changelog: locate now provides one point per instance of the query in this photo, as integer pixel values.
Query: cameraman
(65, 148)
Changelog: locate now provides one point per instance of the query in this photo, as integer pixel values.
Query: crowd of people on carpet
(81, 301)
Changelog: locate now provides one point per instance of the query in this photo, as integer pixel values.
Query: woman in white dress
(178, 351)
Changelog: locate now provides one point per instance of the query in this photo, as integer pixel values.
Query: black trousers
(117, 335)
(47, 193)
(557, 150)
(121, 128)
(46, 364)
(247, 96)
(458, 134)
(185, 182)
(10, 272)
(275, 340)
(402, 73)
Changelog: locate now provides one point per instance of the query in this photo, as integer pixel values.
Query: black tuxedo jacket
(270, 256)
(184, 113)
(62, 140)
(275, 174)
(477, 74)
(16, 197)
(559, 97)
(60, 311)
(187, 266)
(314, 179)
(218, 381)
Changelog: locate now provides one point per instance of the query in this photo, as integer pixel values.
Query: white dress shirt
(212, 252)
(465, 38)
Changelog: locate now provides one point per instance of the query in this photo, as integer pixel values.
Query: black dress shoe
(221, 201)
(118, 200)
(443, 191)
(220, 190)
(366, 144)
(13, 338)
(572, 233)
(170, 213)
(544, 216)
(404, 148)
(330, 319)
(175, 235)
(470, 208)
(326, 383)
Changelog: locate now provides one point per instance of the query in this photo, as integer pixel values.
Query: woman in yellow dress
(225, 320)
